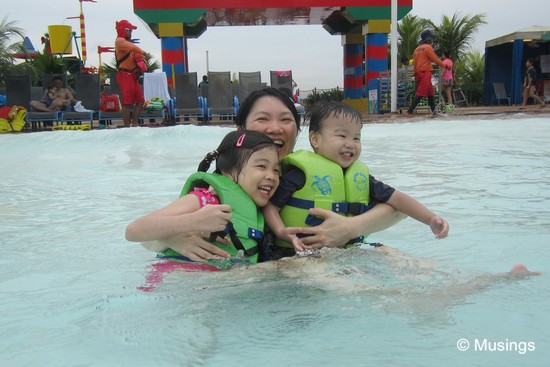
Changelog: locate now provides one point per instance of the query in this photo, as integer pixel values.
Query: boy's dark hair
(248, 103)
(322, 110)
(235, 150)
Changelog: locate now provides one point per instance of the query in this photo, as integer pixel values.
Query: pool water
(70, 283)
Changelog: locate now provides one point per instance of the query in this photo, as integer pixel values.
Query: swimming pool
(69, 281)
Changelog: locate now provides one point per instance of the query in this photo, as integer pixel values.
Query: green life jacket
(327, 186)
(247, 220)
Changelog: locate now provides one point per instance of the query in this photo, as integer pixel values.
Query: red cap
(121, 27)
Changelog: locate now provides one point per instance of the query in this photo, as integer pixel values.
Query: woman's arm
(182, 216)
(337, 230)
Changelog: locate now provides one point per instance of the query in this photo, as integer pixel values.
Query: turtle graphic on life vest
(361, 181)
(322, 184)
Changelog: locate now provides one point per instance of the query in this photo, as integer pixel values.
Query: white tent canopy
(533, 33)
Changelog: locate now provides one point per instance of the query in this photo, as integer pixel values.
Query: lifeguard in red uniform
(130, 65)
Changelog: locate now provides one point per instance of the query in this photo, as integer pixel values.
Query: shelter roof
(532, 33)
(337, 16)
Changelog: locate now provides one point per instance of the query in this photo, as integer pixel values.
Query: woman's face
(270, 116)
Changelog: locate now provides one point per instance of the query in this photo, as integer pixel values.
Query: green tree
(9, 30)
(456, 34)
(469, 75)
(408, 34)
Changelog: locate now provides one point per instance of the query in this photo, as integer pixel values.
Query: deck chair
(500, 93)
(47, 80)
(248, 83)
(188, 103)
(220, 98)
(282, 80)
(88, 92)
(19, 93)
(459, 98)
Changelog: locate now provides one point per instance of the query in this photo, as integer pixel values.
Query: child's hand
(297, 243)
(439, 227)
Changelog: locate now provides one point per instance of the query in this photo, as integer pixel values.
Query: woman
(271, 112)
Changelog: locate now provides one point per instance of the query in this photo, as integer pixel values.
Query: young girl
(246, 176)
(447, 77)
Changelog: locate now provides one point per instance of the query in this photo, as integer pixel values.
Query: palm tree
(7, 49)
(469, 72)
(408, 34)
(456, 34)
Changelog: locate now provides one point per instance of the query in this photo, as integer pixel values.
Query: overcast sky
(313, 55)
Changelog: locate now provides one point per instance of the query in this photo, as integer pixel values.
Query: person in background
(332, 177)
(272, 112)
(246, 175)
(130, 66)
(423, 57)
(530, 85)
(447, 77)
(55, 98)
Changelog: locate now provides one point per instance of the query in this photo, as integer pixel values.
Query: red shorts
(424, 87)
(130, 89)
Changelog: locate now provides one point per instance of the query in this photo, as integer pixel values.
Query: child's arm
(182, 216)
(411, 207)
(275, 223)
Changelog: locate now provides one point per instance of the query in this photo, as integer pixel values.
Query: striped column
(174, 50)
(376, 55)
(83, 38)
(354, 56)
(353, 71)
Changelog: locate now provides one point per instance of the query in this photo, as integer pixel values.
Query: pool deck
(422, 113)
(479, 112)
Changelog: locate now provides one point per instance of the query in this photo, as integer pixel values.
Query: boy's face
(338, 140)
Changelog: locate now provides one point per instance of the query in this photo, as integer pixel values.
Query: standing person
(447, 77)
(332, 177)
(203, 81)
(130, 66)
(246, 175)
(423, 57)
(55, 98)
(530, 85)
(272, 112)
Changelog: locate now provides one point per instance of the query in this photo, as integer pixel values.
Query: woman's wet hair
(235, 150)
(323, 110)
(248, 103)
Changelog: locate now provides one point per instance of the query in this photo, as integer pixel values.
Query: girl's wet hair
(248, 103)
(235, 151)
(323, 110)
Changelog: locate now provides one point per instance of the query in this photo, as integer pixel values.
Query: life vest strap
(230, 229)
(342, 207)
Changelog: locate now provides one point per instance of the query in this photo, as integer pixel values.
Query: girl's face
(270, 116)
(338, 140)
(259, 177)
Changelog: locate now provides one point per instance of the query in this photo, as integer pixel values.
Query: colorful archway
(363, 25)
